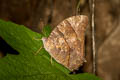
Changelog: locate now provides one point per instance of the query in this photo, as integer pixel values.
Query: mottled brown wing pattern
(66, 42)
(58, 47)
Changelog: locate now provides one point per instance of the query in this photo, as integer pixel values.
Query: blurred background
(34, 14)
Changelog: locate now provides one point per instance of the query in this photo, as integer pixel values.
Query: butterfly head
(44, 39)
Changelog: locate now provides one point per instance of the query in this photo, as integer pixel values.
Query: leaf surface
(27, 65)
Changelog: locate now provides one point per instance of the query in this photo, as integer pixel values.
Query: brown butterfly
(66, 42)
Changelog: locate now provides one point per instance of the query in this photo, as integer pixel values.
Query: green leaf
(46, 30)
(27, 65)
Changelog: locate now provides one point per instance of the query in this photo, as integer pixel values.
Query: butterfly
(66, 42)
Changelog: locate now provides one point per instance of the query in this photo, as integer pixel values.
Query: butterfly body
(66, 42)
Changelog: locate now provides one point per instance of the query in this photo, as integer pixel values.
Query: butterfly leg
(51, 60)
(38, 50)
(36, 39)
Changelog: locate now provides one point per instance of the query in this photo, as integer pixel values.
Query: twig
(78, 8)
(93, 35)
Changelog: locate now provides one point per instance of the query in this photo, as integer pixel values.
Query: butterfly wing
(78, 24)
(58, 47)
(66, 42)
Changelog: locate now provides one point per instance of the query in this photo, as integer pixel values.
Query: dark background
(36, 13)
